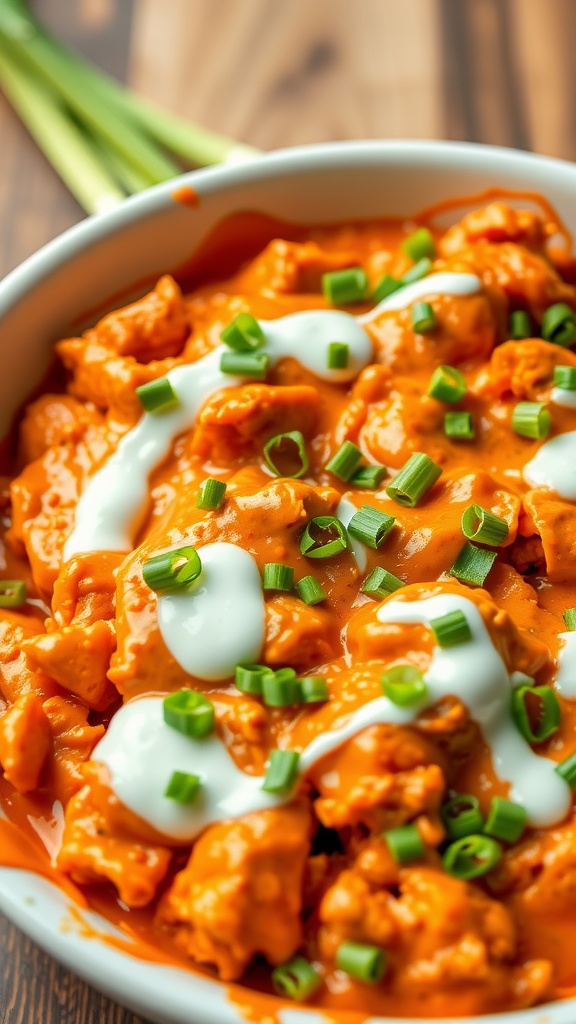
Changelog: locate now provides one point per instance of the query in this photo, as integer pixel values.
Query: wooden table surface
(282, 72)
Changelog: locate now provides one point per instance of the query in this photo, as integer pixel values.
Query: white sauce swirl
(443, 283)
(565, 680)
(346, 509)
(554, 466)
(563, 396)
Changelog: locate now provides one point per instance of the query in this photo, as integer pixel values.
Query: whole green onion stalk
(104, 140)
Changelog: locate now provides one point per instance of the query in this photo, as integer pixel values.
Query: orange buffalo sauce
(251, 890)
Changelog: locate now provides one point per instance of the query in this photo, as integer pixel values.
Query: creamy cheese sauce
(554, 466)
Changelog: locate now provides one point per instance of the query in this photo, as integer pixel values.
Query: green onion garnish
(414, 480)
(338, 355)
(567, 770)
(404, 685)
(531, 419)
(471, 856)
(451, 629)
(405, 843)
(291, 449)
(280, 689)
(506, 820)
(483, 526)
(313, 546)
(295, 979)
(182, 787)
(371, 526)
(345, 461)
(559, 324)
(248, 678)
(342, 287)
(473, 565)
(423, 317)
(157, 395)
(447, 384)
(420, 243)
(172, 570)
(366, 963)
(519, 326)
(245, 364)
(419, 270)
(244, 334)
(569, 617)
(313, 689)
(379, 583)
(545, 707)
(12, 593)
(368, 478)
(458, 426)
(462, 816)
(190, 713)
(277, 576)
(211, 494)
(565, 377)
(282, 771)
(387, 286)
(310, 590)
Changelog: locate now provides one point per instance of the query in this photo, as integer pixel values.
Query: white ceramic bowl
(148, 235)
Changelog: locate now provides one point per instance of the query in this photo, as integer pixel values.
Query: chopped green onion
(559, 324)
(546, 707)
(371, 526)
(420, 243)
(447, 384)
(211, 494)
(405, 843)
(414, 480)
(419, 270)
(12, 593)
(313, 689)
(520, 326)
(172, 570)
(473, 565)
(471, 856)
(291, 448)
(281, 688)
(277, 576)
(459, 426)
(569, 617)
(313, 547)
(157, 395)
(182, 787)
(310, 590)
(462, 816)
(565, 377)
(342, 287)
(483, 526)
(338, 355)
(249, 678)
(531, 419)
(243, 334)
(387, 286)
(379, 583)
(190, 713)
(567, 770)
(282, 771)
(506, 820)
(365, 963)
(451, 629)
(345, 461)
(245, 364)
(295, 979)
(423, 317)
(368, 478)
(404, 685)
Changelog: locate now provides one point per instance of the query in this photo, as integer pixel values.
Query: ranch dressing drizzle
(141, 752)
(344, 513)
(115, 498)
(565, 680)
(563, 396)
(554, 466)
